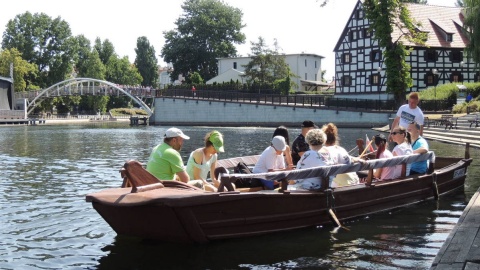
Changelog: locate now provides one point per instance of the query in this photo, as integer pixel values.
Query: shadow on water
(403, 238)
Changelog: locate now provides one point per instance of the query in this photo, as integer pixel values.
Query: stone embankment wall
(178, 112)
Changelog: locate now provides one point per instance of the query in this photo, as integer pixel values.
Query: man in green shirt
(165, 161)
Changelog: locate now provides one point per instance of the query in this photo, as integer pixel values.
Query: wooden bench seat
(448, 121)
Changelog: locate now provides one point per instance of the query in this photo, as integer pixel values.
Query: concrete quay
(461, 250)
(462, 133)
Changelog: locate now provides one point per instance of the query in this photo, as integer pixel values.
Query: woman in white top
(314, 157)
(403, 147)
(339, 156)
(204, 160)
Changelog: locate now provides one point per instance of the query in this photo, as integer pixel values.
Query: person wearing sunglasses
(403, 147)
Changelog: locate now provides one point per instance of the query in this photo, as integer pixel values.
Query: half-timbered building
(359, 61)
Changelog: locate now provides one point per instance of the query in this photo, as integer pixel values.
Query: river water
(46, 223)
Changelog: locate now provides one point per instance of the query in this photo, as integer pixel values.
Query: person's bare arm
(183, 176)
(421, 150)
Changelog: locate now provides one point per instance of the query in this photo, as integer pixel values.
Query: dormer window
(449, 37)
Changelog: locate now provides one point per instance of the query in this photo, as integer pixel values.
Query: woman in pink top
(383, 152)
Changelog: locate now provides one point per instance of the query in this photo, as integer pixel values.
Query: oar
(335, 219)
(365, 150)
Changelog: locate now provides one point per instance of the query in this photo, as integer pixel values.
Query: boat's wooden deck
(461, 249)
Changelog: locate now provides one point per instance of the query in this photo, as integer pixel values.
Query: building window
(346, 58)
(476, 77)
(306, 76)
(360, 14)
(367, 32)
(456, 56)
(234, 65)
(352, 35)
(431, 79)
(431, 55)
(456, 76)
(449, 37)
(375, 79)
(315, 77)
(305, 62)
(315, 63)
(346, 80)
(375, 55)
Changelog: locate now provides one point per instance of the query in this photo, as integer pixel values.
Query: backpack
(242, 168)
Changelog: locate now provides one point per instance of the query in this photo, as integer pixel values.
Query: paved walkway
(461, 133)
(461, 250)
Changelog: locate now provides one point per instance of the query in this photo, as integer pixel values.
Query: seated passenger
(269, 162)
(383, 152)
(419, 146)
(403, 148)
(204, 160)
(314, 157)
(339, 156)
(287, 154)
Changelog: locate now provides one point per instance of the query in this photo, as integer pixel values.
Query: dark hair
(380, 142)
(407, 134)
(282, 131)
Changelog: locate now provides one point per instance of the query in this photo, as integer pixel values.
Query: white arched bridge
(86, 86)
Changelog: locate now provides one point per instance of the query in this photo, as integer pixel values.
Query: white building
(306, 66)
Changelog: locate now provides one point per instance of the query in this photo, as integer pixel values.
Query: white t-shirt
(341, 156)
(309, 159)
(402, 149)
(269, 160)
(408, 115)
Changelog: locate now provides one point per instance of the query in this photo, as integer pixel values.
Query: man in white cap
(165, 161)
(269, 161)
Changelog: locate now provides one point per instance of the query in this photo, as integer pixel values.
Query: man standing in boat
(165, 161)
(299, 145)
(408, 113)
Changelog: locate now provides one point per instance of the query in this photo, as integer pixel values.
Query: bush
(462, 107)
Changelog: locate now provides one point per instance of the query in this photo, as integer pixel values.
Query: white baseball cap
(279, 143)
(175, 132)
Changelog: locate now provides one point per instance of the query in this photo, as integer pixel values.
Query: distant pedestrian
(469, 97)
(194, 90)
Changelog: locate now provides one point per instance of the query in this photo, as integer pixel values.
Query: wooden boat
(176, 212)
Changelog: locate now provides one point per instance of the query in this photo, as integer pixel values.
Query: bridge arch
(75, 86)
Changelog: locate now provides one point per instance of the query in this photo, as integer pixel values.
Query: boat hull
(179, 215)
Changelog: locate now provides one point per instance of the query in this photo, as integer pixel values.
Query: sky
(299, 26)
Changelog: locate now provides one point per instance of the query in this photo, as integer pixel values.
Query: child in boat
(314, 157)
(204, 160)
(269, 161)
(403, 147)
(383, 152)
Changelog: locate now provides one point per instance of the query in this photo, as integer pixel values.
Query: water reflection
(46, 223)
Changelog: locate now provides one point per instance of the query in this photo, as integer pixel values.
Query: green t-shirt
(165, 162)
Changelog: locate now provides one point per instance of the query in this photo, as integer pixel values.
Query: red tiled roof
(438, 21)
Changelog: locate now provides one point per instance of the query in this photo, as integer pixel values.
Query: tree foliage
(267, 65)
(194, 78)
(121, 71)
(43, 41)
(471, 25)
(104, 49)
(207, 30)
(23, 70)
(146, 62)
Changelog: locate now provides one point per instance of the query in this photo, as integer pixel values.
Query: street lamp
(259, 78)
(435, 71)
(461, 70)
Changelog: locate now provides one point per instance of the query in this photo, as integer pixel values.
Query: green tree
(471, 25)
(121, 71)
(146, 62)
(96, 69)
(105, 49)
(194, 78)
(83, 53)
(207, 30)
(267, 65)
(22, 70)
(42, 41)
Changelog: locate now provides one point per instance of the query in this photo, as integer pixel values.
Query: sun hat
(216, 139)
(278, 143)
(308, 123)
(175, 132)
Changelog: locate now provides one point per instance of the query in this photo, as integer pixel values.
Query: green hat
(216, 139)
